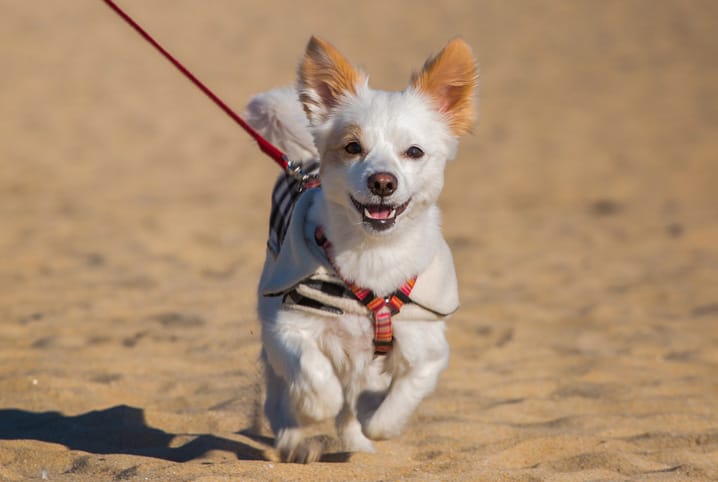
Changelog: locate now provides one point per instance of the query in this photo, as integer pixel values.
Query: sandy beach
(582, 213)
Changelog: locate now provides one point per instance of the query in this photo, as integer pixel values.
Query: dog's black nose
(382, 183)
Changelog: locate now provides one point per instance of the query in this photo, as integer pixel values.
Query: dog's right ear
(325, 76)
(450, 79)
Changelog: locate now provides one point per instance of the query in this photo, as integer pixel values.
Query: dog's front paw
(293, 447)
(377, 429)
(308, 451)
(377, 421)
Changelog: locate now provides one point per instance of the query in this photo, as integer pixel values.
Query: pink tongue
(378, 211)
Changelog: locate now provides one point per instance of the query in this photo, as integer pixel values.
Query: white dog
(358, 279)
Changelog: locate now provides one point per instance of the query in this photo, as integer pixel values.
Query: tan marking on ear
(450, 78)
(325, 75)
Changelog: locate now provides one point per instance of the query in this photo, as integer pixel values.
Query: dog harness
(382, 309)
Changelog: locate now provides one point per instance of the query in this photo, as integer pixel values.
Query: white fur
(319, 367)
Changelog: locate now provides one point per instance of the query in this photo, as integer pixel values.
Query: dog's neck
(379, 263)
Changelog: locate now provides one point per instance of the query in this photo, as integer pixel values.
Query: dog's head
(383, 153)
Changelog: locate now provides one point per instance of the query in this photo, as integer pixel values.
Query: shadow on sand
(123, 430)
(118, 430)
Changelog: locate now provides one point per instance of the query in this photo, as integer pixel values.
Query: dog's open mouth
(380, 216)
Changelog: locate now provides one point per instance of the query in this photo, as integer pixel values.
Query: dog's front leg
(418, 357)
(302, 387)
(290, 441)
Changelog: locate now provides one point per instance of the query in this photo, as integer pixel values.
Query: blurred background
(582, 210)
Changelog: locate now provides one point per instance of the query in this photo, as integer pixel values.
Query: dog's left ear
(450, 79)
(324, 77)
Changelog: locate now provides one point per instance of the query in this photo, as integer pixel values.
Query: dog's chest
(352, 332)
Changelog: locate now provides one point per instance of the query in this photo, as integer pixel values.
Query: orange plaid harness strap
(382, 309)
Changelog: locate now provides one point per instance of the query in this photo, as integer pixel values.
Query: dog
(358, 281)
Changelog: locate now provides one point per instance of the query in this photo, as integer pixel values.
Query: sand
(582, 212)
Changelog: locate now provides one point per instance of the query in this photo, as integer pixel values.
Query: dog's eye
(353, 148)
(414, 152)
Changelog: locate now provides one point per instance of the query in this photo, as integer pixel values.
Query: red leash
(269, 149)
